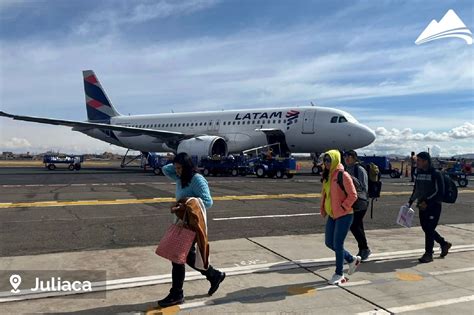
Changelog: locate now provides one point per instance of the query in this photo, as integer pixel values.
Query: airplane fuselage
(306, 129)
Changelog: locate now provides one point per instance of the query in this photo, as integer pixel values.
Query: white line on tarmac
(438, 273)
(422, 306)
(266, 216)
(232, 271)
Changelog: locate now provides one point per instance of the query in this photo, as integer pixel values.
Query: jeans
(357, 229)
(336, 232)
(429, 219)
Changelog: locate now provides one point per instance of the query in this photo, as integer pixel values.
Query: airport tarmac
(105, 218)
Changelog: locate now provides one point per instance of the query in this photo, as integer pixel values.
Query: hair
(325, 176)
(189, 169)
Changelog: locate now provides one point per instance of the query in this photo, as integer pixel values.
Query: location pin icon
(15, 281)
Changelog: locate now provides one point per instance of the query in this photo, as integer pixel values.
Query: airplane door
(213, 125)
(308, 121)
(210, 126)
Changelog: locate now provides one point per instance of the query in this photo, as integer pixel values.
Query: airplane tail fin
(99, 107)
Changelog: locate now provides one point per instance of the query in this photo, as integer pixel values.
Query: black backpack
(360, 203)
(450, 193)
(375, 184)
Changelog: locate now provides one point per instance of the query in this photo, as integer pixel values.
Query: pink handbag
(176, 243)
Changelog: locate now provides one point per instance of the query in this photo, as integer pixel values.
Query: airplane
(308, 129)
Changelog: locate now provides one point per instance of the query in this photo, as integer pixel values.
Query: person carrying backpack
(336, 205)
(429, 192)
(360, 179)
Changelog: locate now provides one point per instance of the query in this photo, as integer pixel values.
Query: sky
(195, 55)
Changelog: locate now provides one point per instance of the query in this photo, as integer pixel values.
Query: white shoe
(354, 264)
(337, 279)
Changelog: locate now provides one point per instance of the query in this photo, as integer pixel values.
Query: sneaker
(354, 264)
(426, 258)
(364, 254)
(172, 299)
(215, 283)
(445, 249)
(337, 279)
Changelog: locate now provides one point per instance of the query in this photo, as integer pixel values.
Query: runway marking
(126, 283)
(421, 306)
(38, 204)
(266, 216)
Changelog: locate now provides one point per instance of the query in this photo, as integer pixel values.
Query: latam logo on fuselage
(291, 116)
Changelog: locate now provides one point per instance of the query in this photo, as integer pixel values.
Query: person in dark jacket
(428, 192)
(354, 168)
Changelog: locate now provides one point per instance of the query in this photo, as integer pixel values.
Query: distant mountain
(468, 156)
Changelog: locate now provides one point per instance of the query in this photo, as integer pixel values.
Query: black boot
(215, 282)
(426, 258)
(445, 249)
(174, 298)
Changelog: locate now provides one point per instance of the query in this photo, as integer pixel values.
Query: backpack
(450, 193)
(360, 204)
(375, 184)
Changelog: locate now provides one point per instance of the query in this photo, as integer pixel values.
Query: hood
(335, 159)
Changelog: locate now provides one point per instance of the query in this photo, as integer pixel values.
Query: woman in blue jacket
(188, 184)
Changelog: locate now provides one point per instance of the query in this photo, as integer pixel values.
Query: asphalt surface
(26, 230)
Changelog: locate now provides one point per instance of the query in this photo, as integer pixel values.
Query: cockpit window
(342, 119)
(334, 119)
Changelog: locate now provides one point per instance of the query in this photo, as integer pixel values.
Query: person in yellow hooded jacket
(336, 205)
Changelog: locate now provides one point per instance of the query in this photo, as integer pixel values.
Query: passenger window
(233, 123)
(238, 123)
(253, 122)
(279, 121)
(258, 122)
(248, 122)
(342, 119)
(334, 119)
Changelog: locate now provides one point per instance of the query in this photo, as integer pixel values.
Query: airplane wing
(124, 130)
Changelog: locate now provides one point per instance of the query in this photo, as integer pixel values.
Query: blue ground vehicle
(275, 167)
(383, 164)
(73, 161)
(156, 162)
(228, 165)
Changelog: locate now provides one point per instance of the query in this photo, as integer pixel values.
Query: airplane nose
(367, 135)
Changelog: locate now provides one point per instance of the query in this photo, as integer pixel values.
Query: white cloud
(132, 13)
(16, 143)
(458, 140)
(464, 131)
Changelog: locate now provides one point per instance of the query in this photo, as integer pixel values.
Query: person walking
(188, 184)
(359, 174)
(413, 166)
(336, 205)
(428, 192)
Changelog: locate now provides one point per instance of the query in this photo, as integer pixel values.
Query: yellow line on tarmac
(47, 204)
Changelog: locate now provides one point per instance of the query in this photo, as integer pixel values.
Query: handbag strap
(186, 216)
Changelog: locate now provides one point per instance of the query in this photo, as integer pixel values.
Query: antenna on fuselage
(312, 104)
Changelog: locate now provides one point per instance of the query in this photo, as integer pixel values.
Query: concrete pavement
(271, 274)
